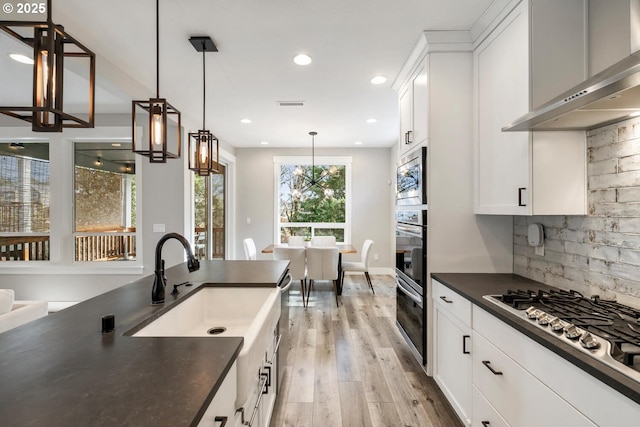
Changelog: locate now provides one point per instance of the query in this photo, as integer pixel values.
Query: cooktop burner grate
(590, 324)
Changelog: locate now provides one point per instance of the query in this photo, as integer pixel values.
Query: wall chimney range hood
(608, 97)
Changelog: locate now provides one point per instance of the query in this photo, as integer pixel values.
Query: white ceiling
(350, 41)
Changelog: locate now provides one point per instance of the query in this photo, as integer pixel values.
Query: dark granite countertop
(61, 370)
(473, 286)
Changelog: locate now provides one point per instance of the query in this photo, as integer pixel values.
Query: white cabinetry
(258, 407)
(452, 365)
(221, 410)
(413, 104)
(533, 54)
(529, 385)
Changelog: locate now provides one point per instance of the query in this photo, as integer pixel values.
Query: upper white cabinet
(534, 53)
(413, 111)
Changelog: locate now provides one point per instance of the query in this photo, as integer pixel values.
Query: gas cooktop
(605, 330)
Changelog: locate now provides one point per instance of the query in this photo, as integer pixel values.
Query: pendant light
(311, 182)
(203, 157)
(156, 136)
(51, 46)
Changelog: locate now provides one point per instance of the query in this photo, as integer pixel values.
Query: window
(209, 215)
(313, 201)
(24, 201)
(104, 202)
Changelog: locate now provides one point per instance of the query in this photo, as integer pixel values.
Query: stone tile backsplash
(598, 253)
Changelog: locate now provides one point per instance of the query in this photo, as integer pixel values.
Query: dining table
(343, 248)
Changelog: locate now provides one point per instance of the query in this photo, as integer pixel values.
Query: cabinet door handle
(443, 298)
(487, 363)
(407, 140)
(485, 423)
(221, 420)
(464, 344)
(520, 196)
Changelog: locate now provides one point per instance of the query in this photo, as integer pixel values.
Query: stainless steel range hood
(608, 97)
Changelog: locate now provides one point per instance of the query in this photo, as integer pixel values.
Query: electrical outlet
(375, 257)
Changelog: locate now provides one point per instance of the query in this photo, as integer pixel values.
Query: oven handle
(409, 292)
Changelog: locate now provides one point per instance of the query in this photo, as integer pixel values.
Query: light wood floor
(349, 366)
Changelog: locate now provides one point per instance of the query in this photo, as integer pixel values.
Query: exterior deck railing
(94, 246)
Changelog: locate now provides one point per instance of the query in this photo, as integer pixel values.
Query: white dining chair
(322, 264)
(295, 241)
(323, 241)
(297, 264)
(361, 266)
(250, 252)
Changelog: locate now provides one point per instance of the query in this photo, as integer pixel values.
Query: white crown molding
(432, 42)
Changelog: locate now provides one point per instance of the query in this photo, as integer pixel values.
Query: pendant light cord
(204, 84)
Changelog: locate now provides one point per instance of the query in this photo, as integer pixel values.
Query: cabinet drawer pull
(487, 363)
(464, 344)
(485, 423)
(221, 420)
(443, 298)
(520, 196)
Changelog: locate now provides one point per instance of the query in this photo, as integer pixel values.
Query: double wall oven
(411, 252)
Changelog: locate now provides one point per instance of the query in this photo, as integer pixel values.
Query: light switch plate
(539, 250)
(158, 228)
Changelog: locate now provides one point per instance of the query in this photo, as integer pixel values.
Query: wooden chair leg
(335, 291)
(366, 274)
(302, 289)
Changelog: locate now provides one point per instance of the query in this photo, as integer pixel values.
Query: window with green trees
(313, 201)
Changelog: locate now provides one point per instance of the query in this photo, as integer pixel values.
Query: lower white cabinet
(452, 367)
(517, 396)
(484, 414)
(221, 410)
(258, 407)
(495, 376)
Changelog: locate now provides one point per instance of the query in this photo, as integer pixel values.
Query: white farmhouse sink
(248, 312)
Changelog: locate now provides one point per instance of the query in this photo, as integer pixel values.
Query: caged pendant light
(51, 46)
(155, 144)
(203, 156)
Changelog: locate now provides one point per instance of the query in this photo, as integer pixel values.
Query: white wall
(372, 206)
(163, 188)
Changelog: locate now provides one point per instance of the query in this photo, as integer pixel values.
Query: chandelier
(309, 182)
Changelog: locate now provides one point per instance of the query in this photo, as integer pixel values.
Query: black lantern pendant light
(155, 144)
(310, 182)
(203, 156)
(51, 47)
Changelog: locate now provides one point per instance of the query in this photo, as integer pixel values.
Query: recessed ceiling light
(264, 142)
(372, 120)
(378, 80)
(24, 59)
(302, 59)
(358, 143)
(245, 121)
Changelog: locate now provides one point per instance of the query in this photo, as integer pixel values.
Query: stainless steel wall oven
(411, 270)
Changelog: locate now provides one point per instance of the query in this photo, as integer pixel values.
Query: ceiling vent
(291, 103)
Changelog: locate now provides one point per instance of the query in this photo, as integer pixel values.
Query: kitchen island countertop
(473, 286)
(61, 370)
